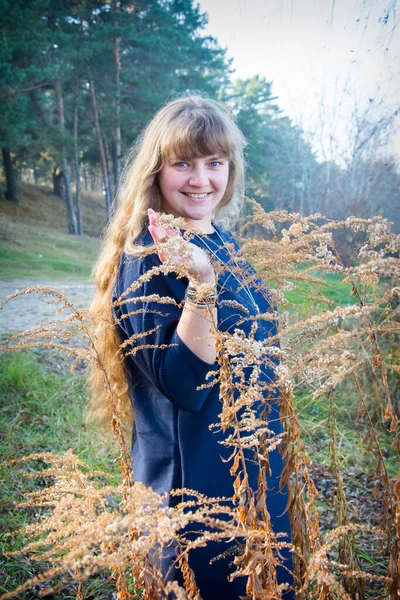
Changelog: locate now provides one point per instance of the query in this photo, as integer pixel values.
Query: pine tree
(114, 63)
(279, 161)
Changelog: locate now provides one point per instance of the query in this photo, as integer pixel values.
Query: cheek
(162, 180)
(170, 181)
(224, 181)
(166, 183)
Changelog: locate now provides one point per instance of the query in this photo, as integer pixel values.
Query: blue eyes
(214, 164)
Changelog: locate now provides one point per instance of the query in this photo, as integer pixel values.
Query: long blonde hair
(188, 127)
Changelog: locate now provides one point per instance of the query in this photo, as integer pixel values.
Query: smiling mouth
(196, 196)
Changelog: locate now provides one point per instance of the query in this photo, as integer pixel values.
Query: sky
(324, 57)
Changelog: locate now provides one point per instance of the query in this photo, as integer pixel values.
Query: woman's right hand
(180, 254)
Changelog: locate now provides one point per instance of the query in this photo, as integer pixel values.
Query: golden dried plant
(93, 526)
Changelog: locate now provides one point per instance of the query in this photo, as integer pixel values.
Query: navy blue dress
(172, 445)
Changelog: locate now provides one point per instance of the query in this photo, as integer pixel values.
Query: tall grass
(340, 345)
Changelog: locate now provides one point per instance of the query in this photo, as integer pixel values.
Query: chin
(197, 214)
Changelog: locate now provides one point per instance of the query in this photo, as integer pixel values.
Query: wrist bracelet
(197, 298)
(198, 304)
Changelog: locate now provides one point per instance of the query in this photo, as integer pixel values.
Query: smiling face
(193, 188)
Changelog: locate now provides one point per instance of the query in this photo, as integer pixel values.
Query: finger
(153, 232)
(152, 216)
(157, 233)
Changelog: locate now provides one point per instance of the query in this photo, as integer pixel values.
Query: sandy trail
(30, 310)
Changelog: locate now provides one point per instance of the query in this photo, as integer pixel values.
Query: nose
(199, 176)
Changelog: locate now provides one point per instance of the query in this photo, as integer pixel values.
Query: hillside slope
(34, 239)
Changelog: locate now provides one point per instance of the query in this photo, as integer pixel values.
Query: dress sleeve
(156, 347)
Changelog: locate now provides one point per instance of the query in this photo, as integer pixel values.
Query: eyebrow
(210, 157)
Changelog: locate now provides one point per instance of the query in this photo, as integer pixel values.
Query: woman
(188, 164)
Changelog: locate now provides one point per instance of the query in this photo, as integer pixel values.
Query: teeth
(196, 195)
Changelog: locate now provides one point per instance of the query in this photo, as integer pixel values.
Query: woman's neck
(202, 226)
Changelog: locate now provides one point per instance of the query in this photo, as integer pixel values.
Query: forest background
(79, 80)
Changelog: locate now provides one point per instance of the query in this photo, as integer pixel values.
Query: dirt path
(32, 309)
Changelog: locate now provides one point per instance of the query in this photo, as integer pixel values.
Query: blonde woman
(189, 164)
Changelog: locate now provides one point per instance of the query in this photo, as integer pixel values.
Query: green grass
(41, 410)
(313, 417)
(37, 253)
(357, 469)
(331, 292)
(34, 239)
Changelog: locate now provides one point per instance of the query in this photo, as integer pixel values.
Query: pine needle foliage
(319, 355)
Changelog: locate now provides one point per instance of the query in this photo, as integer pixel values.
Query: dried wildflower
(316, 350)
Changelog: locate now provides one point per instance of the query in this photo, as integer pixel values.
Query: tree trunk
(36, 105)
(117, 100)
(77, 166)
(103, 156)
(12, 192)
(93, 180)
(58, 183)
(72, 225)
(85, 178)
(326, 198)
(107, 154)
(116, 158)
